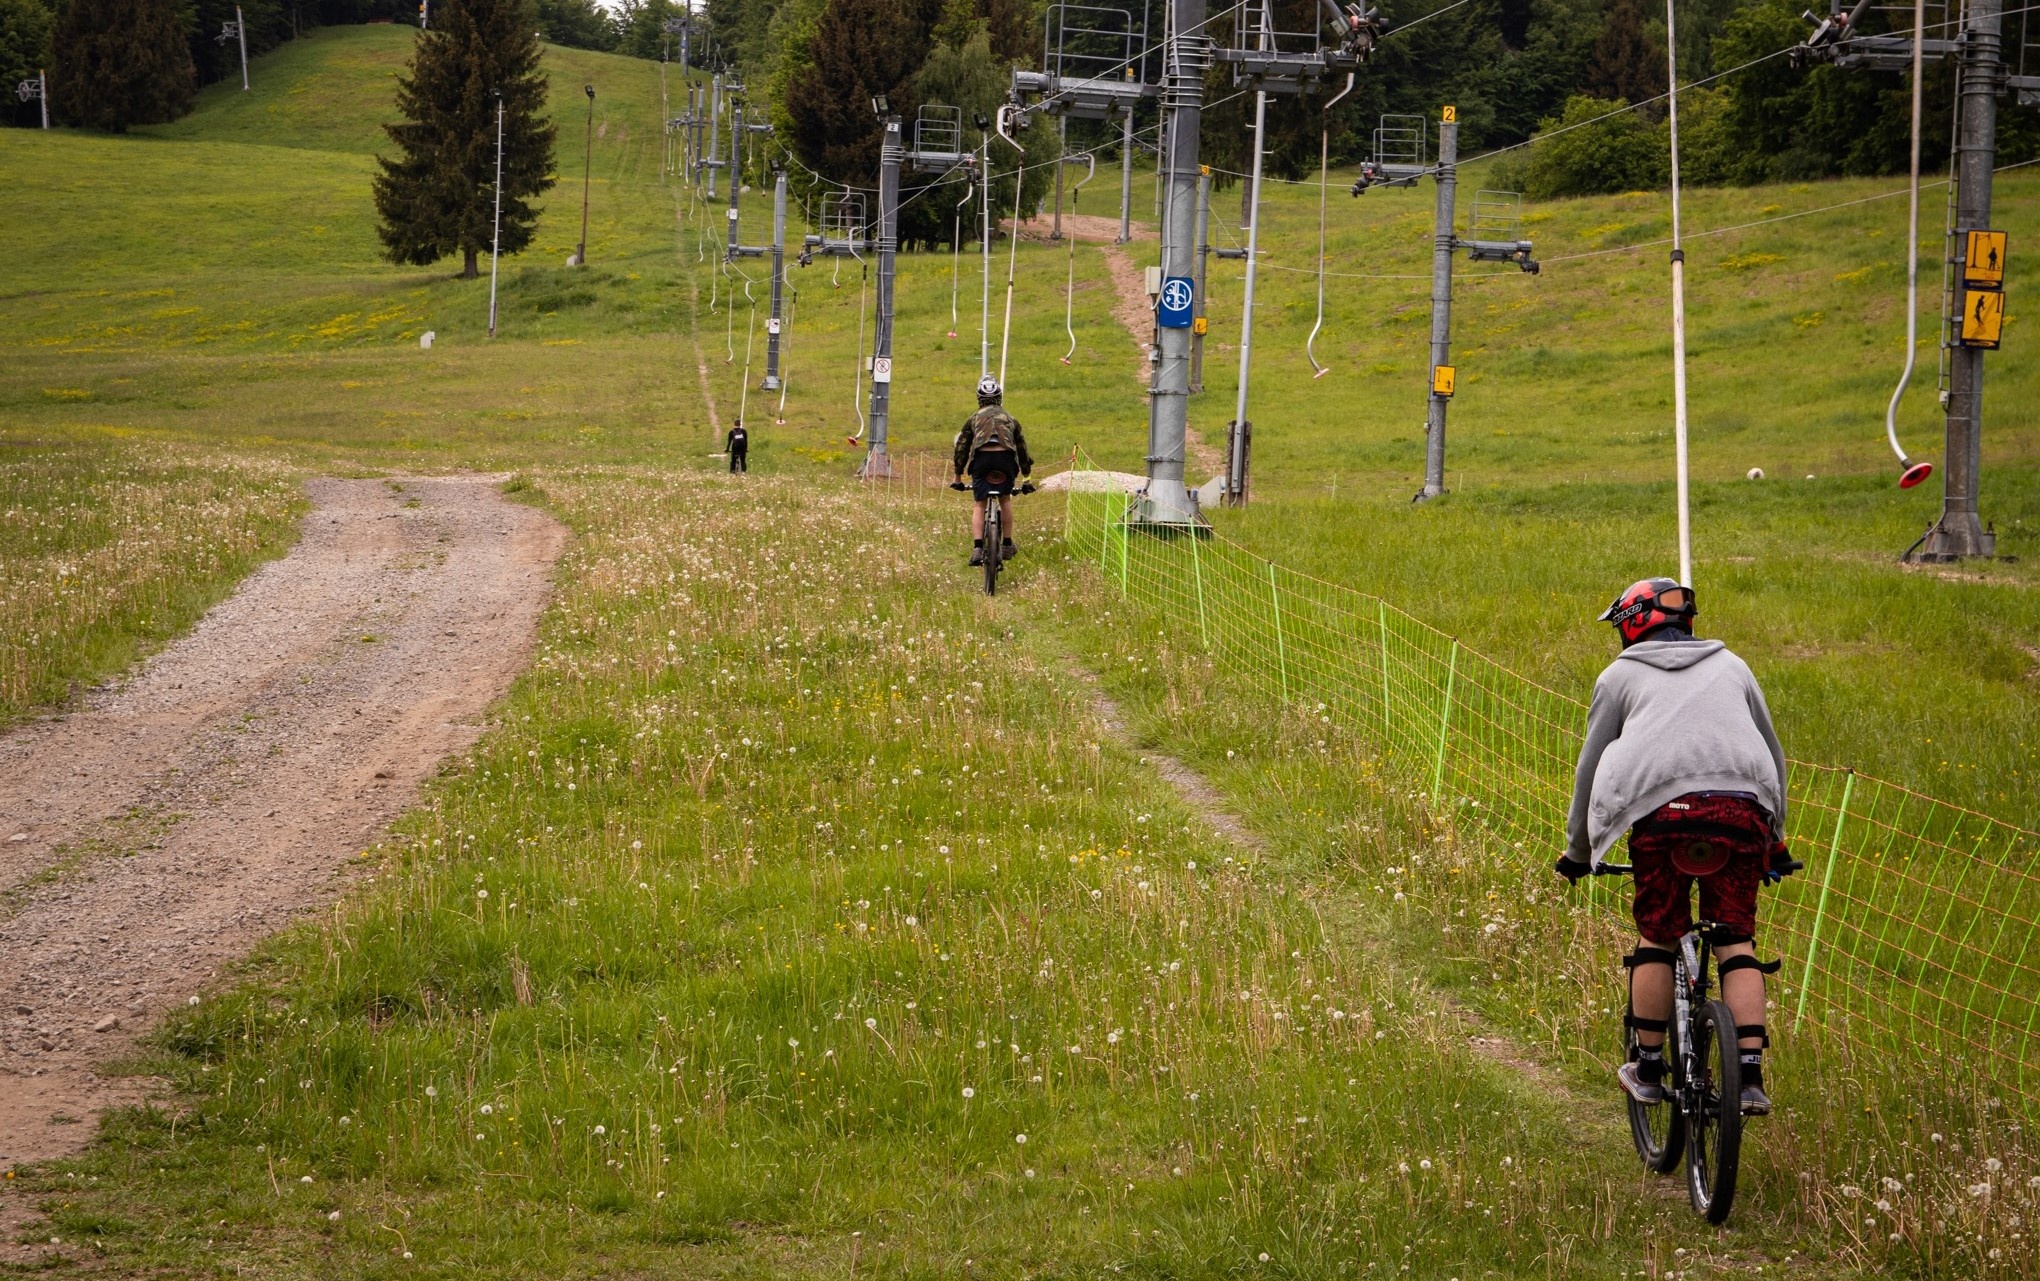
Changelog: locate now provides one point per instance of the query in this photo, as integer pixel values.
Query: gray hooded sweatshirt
(1671, 717)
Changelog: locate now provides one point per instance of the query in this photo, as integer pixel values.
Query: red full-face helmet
(1645, 606)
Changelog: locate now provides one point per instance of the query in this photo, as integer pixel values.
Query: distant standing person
(738, 445)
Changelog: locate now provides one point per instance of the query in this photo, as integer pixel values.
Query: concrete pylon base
(1953, 540)
(1167, 505)
(876, 466)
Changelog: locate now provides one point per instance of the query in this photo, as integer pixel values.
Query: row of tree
(116, 63)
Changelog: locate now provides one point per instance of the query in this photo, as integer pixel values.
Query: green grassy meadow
(796, 881)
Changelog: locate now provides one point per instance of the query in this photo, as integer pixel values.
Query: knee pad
(1730, 964)
(1648, 956)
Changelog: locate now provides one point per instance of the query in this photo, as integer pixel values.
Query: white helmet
(988, 390)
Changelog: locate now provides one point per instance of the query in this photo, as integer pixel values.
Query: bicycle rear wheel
(995, 536)
(1715, 1123)
(1659, 1129)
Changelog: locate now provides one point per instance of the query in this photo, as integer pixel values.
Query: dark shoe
(1755, 1102)
(1637, 1088)
(977, 555)
(1007, 550)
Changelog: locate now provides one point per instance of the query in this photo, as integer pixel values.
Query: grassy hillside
(720, 1008)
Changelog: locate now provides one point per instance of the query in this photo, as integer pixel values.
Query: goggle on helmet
(1645, 606)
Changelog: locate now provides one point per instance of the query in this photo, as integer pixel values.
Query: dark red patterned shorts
(1728, 897)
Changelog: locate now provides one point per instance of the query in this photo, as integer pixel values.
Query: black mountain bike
(998, 487)
(1701, 1117)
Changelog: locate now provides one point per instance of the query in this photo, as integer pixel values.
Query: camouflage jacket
(991, 428)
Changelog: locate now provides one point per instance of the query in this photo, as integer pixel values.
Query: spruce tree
(121, 63)
(1626, 62)
(438, 194)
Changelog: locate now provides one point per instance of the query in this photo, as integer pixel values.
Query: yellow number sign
(1451, 114)
(1983, 317)
(1200, 326)
(1983, 263)
(1442, 378)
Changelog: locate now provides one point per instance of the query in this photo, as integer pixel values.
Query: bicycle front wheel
(1659, 1129)
(1714, 1099)
(995, 536)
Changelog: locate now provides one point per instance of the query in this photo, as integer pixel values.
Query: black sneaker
(1755, 1102)
(977, 555)
(1645, 1092)
(1007, 550)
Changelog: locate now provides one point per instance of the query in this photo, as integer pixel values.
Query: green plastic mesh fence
(1914, 923)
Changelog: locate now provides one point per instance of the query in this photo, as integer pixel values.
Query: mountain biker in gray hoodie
(1680, 753)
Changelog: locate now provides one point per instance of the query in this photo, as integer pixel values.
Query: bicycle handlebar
(1786, 868)
(960, 487)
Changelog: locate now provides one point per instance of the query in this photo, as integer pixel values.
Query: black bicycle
(1701, 1117)
(997, 487)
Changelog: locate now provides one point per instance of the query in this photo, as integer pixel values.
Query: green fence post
(1444, 726)
(1125, 509)
(1197, 572)
(1827, 878)
(1387, 726)
(1104, 530)
(1281, 652)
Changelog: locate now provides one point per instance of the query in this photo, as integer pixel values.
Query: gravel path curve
(178, 816)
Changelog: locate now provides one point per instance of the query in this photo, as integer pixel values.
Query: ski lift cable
(750, 339)
(1012, 266)
(1553, 133)
(1070, 288)
(1324, 168)
(956, 253)
(1681, 465)
(1910, 474)
(1756, 222)
(857, 370)
(786, 357)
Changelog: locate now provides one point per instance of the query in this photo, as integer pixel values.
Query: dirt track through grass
(155, 834)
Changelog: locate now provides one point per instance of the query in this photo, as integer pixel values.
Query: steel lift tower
(938, 148)
(1399, 161)
(1973, 302)
(734, 249)
(1090, 85)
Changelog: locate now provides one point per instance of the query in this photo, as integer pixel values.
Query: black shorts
(994, 473)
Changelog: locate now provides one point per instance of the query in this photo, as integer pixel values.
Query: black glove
(1571, 868)
(958, 485)
(1781, 864)
(1027, 487)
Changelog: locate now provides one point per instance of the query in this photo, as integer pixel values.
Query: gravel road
(175, 818)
